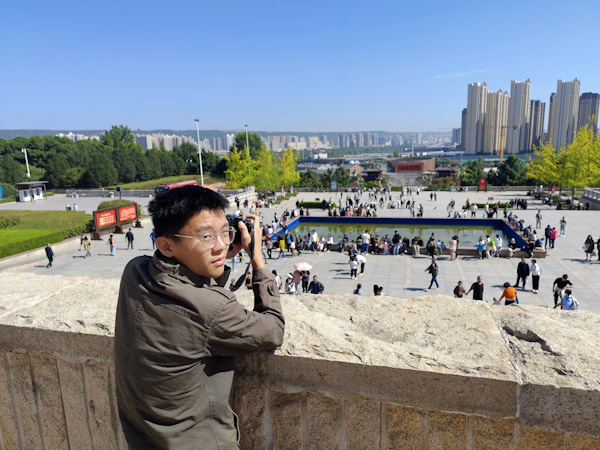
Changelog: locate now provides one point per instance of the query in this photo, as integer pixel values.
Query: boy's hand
(257, 259)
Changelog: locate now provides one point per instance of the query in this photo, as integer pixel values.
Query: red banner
(127, 213)
(482, 184)
(105, 219)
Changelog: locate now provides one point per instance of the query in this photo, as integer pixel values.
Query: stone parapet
(353, 372)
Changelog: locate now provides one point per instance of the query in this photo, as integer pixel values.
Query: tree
(266, 175)
(309, 179)
(101, 171)
(119, 136)
(579, 162)
(57, 167)
(154, 164)
(544, 166)
(253, 139)
(512, 172)
(125, 164)
(287, 167)
(237, 175)
(13, 171)
(343, 177)
(472, 172)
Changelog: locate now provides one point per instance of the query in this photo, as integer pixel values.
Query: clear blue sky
(279, 65)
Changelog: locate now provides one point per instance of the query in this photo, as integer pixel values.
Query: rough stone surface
(446, 431)
(252, 422)
(323, 416)
(286, 419)
(531, 438)
(24, 396)
(404, 427)
(492, 433)
(363, 424)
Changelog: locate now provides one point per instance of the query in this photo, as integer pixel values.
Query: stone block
(286, 412)
(446, 431)
(580, 442)
(492, 433)
(323, 415)
(363, 423)
(249, 405)
(404, 427)
(45, 373)
(102, 413)
(8, 426)
(534, 439)
(25, 400)
(75, 403)
(562, 408)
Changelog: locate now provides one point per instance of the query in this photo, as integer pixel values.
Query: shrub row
(314, 205)
(482, 205)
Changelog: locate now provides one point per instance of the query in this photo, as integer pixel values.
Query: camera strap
(242, 280)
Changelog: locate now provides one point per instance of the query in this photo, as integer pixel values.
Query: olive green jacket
(176, 335)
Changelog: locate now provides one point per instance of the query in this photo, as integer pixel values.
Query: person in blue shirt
(568, 301)
(315, 286)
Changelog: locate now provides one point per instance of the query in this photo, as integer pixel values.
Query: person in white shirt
(498, 244)
(535, 271)
(366, 239)
(314, 241)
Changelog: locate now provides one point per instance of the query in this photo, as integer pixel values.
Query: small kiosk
(30, 191)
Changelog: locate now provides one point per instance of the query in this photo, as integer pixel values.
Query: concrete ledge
(355, 372)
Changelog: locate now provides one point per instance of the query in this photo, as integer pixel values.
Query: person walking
(522, 273)
(87, 246)
(153, 239)
(538, 219)
(535, 271)
(453, 248)
(49, 255)
(588, 247)
(297, 280)
(281, 248)
(431, 247)
(477, 289)
(129, 237)
(269, 243)
(353, 267)
(305, 278)
(433, 270)
(547, 234)
(563, 226)
(459, 290)
(112, 246)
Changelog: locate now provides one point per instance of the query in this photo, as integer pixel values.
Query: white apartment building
(517, 133)
(564, 112)
(496, 117)
(476, 110)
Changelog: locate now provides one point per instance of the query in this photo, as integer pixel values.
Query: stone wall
(354, 372)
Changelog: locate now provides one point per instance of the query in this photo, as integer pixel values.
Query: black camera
(234, 221)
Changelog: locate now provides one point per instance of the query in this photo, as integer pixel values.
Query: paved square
(401, 276)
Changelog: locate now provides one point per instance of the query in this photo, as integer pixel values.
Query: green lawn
(36, 228)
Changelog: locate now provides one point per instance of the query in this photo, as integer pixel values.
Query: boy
(178, 329)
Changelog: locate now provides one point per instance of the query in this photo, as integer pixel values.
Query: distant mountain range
(27, 133)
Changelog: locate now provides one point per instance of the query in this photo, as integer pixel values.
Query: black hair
(507, 284)
(171, 210)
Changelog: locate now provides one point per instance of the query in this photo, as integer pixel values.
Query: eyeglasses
(210, 240)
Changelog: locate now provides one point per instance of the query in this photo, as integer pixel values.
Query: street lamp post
(199, 151)
(248, 149)
(24, 150)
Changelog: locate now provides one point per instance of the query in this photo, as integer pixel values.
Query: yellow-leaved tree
(237, 174)
(579, 162)
(265, 174)
(544, 167)
(287, 167)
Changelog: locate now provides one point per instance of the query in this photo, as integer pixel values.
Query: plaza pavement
(401, 276)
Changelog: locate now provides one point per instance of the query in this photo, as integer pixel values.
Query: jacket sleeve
(236, 330)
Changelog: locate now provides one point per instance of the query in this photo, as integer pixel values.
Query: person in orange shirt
(509, 295)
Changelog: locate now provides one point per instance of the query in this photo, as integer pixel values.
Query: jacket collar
(172, 268)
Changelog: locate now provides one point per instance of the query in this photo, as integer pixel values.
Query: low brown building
(408, 165)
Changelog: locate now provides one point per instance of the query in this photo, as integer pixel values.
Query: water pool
(468, 235)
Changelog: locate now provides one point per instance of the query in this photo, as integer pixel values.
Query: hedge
(41, 241)
(315, 205)
(482, 205)
(8, 222)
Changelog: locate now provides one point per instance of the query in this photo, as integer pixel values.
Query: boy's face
(207, 262)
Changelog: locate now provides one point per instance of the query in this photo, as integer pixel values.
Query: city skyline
(279, 66)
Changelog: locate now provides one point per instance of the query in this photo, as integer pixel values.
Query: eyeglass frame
(231, 230)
